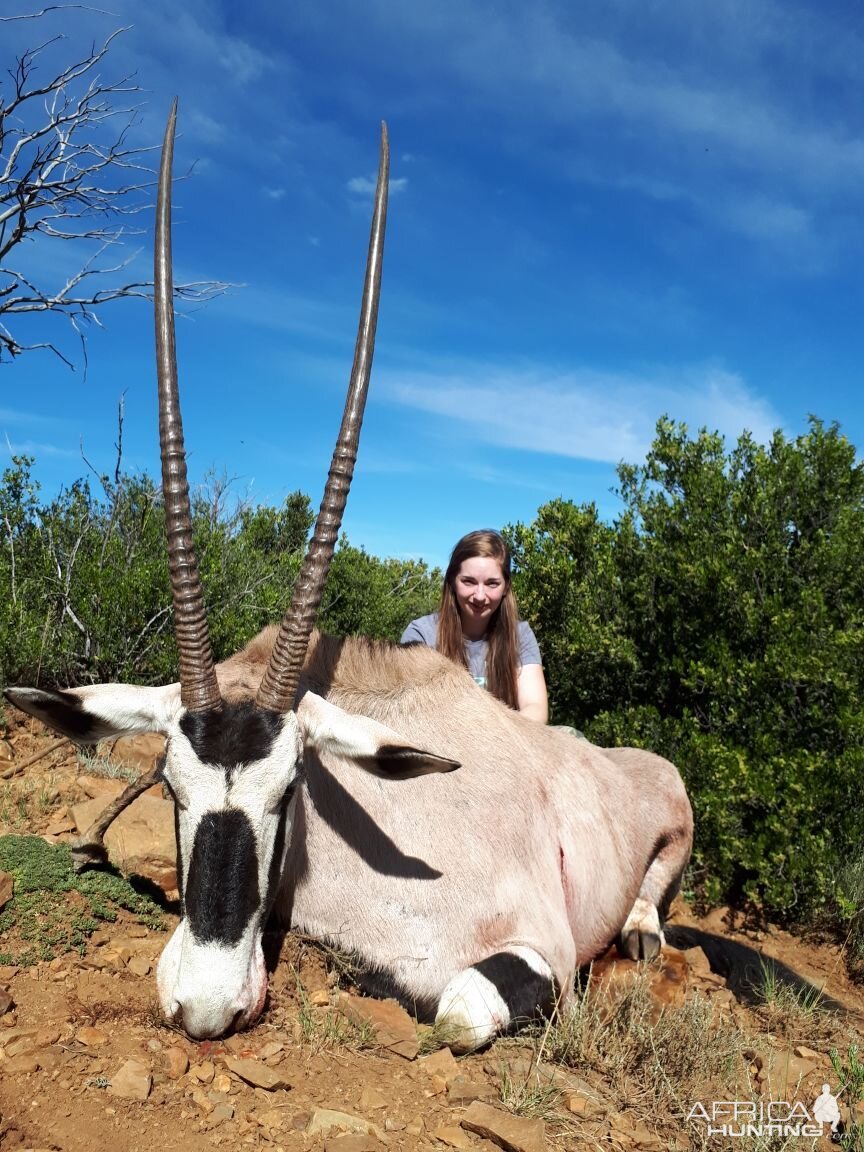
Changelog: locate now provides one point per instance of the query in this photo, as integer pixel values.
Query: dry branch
(70, 171)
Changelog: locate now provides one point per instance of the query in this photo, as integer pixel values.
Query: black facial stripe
(525, 992)
(179, 854)
(222, 892)
(233, 734)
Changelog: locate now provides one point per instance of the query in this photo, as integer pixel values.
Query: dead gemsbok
(313, 778)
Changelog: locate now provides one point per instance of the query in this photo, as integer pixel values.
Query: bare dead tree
(69, 172)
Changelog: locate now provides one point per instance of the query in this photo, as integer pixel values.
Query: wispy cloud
(772, 220)
(710, 91)
(38, 449)
(743, 111)
(14, 417)
(585, 414)
(365, 185)
(202, 127)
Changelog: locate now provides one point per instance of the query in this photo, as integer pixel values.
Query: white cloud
(201, 127)
(241, 60)
(274, 193)
(584, 414)
(365, 185)
(761, 217)
(715, 101)
(38, 449)
(770, 220)
(14, 416)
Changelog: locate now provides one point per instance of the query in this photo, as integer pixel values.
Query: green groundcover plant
(53, 909)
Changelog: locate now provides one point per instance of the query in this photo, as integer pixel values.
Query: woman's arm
(531, 693)
(421, 631)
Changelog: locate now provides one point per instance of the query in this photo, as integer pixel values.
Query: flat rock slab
(132, 1082)
(462, 1091)
(91, 1037)
(394, 1029)
(19, 1065)
(141, 839)
(441, 1063)
(455, 1137)
(141, 751)
(512, 1133)
(257, 1074)
(352, 1143)
(176, 1062)
(324, 1120)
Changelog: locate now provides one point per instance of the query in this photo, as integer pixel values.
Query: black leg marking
(222, 892)
(526, 993)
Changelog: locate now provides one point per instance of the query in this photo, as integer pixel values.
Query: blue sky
(600, 213)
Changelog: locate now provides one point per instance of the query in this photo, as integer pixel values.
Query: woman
(477, 624)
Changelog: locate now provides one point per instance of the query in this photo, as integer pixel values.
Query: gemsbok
(369, 795)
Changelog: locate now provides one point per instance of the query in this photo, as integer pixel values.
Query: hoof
(88, 854)
(641, 938)
(636, 945)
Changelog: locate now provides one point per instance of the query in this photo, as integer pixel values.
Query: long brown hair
(502, 656)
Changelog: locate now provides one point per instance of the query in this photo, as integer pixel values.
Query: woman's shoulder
(423, 630)
(529, 649)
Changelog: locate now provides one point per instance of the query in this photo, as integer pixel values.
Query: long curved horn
(198, 687)
(279, 685)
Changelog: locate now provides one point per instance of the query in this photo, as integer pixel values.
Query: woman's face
(479, 587)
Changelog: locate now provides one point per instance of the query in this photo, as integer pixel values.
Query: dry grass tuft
(431, 1037)
(795, 1012)
(91, 763)
(110, 1012)
(326, 1030)
(655, 1058)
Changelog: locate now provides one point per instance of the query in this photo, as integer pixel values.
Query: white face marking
(210, 985)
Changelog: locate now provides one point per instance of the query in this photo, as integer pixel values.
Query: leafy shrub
(720, 622)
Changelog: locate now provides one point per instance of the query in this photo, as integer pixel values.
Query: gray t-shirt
(424, 630)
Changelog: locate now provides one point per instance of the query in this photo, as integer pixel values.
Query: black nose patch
(221, 894)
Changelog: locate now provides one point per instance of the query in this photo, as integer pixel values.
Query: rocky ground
(731, 1012)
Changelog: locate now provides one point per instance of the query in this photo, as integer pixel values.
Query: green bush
(84, 593)
(720, 622)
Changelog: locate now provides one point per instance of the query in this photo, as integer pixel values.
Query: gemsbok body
(369, 795)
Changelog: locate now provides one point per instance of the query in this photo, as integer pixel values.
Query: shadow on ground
(744, 968)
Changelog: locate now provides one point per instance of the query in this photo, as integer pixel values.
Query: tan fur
(539, 839)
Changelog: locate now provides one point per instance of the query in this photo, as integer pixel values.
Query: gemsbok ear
(99, 712)
(371, 746)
